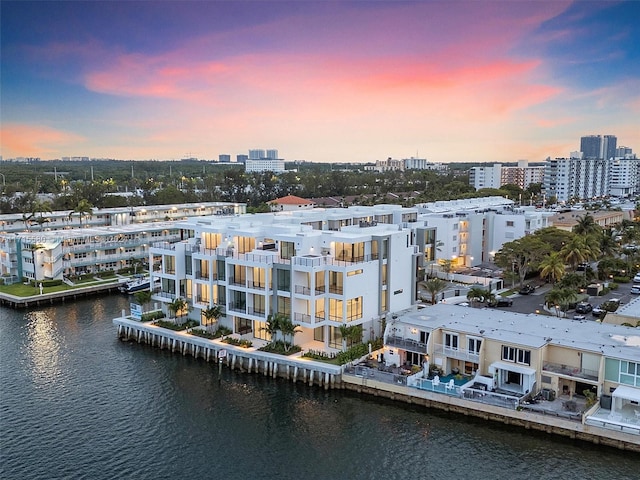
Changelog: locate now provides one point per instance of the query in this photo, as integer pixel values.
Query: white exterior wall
(265, 165)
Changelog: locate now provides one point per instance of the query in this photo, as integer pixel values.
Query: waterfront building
(323, 268)
(503, 361)
(58, 254)
(112, 217)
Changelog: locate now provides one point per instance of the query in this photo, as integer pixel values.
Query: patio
(562, 406)
(625, 419)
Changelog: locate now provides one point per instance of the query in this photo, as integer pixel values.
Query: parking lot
(535, 301)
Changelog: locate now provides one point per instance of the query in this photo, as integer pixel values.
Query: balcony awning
(512, 367)
(628, 393)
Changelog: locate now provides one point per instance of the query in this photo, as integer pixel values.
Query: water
(77, 403)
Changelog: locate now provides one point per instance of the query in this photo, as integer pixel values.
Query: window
(510, 224)
(287, 250)
(354, 308)
(474, 345)
(516, 355)
(451, 340)
(424, 337)
(354, 272)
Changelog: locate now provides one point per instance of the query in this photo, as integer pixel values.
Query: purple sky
(320, 81)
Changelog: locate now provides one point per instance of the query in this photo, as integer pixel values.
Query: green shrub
(238, 343)
(176, 327)
(149, 316)
(281, 348)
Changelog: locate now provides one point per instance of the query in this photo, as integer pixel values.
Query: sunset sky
(319, 81)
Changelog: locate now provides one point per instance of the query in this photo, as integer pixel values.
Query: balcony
(335, 289)
(320, 289)
(407, 344)
(240, 282)
(302, 290)
(237, 307)
(301, 317)
(256, 311)
(457, 353)
(570, 371)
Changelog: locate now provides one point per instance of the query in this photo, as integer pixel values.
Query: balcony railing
(457, 353)
(259, 312)
(570, 371)
(237, 307)
(335, 289)
(301, 289)
(240, 282)
(301, 317)
(407, 344)
(320, 289)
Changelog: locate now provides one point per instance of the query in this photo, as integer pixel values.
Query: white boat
(137, 284)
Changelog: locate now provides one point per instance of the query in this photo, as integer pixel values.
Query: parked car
(635, 290)
(598, 310)
(579, 317)
(584, 307)
(527, 289)
(636, 279)
(501, 302)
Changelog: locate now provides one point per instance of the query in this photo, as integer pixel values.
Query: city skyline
(319, 81)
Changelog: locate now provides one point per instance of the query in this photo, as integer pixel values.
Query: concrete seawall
(238, 358)
(332, 376)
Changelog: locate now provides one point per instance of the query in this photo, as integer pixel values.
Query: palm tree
(577, 251)
(586, 226)
(143, 297)
(40, 207)
(288, 329)
(560, 297)
(434, 286)
(273, 324)
(476, 294)
(608, 245)
(83, 208)
(212, 314)
(552, 266)
(178, 307)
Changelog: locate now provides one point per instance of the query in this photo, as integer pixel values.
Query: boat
(136, 285)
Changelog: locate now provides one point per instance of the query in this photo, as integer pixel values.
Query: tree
(560, 298)
(586, 226)
(212, 314)
(273, 324)
(434, 286)
(40, 207)
(552, 266)
(83, 209)
(446, 265)
(521, 255)
(143, 297)
(288, 329)
(178, 307)
(477, 294)
(578, 251)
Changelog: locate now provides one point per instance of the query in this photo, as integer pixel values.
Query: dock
(38, 300)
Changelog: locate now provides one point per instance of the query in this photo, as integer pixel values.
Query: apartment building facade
(560, 355)
(324, 269)
(112, 217)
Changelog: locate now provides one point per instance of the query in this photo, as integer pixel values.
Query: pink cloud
(35, 140)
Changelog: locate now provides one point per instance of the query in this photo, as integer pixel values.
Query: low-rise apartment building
(56, 254)
(112, 217)
(566, 357)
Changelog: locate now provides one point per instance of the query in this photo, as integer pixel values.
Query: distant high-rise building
(272, 154)
(598, 146)
(496, 176)
(224, 158)
(242, 158)
(261, 161)
(582, 178)
(256, 154)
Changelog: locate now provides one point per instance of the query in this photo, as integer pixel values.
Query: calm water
(78, 403)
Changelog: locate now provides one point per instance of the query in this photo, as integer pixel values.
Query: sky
(353, 81)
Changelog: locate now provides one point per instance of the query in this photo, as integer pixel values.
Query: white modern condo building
(323, 268)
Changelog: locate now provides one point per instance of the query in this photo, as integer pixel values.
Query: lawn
(21, 290)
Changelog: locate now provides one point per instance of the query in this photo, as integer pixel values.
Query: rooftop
(530, 329)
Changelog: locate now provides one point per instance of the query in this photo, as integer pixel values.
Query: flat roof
(530, 330)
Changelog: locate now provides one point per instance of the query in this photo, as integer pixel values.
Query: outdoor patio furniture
(435, 382)
(451, 385)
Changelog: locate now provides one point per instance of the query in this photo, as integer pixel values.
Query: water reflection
(43, 349)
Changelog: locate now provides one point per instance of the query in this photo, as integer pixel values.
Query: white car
(635, 290)
(636, 279)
